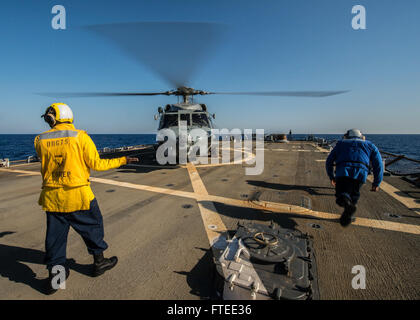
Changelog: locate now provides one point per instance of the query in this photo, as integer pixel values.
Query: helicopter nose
(193, 139)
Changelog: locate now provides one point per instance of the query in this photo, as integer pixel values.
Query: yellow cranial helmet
(62, 112)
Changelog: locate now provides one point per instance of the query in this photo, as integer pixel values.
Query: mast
(186, 99)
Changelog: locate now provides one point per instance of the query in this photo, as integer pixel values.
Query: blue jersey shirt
(353, 158)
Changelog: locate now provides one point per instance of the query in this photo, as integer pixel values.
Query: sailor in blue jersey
(353, 157)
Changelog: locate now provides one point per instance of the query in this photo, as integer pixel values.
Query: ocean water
(406, 144)
(20, 146)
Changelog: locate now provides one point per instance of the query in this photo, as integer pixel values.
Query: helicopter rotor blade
(173, 50)
(102, 94)
(316, 94)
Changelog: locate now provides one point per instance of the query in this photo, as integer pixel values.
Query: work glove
(132, 160)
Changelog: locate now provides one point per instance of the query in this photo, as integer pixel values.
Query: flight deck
(161, 221)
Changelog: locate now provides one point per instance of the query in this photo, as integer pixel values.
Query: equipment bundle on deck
(267, 262)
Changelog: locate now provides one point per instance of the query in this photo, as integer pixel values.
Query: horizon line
(154, 133)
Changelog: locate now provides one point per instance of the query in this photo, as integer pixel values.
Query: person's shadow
(200, 278)
(12, 266)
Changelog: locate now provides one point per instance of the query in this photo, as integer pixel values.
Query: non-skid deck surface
(154, 217)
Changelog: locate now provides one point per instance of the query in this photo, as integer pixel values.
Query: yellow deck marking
(25, 172)
(249, 156)
(211, 217)
(388, 225)
(291, 209)
(197, 183)
(152, 166)
(170, 192)
(213, 224)
(321, 149)
(20, 164)
(393, 192)
(210, 165)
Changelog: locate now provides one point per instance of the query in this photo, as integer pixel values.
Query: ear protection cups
(49, 117)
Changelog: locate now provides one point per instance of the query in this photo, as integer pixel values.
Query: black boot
(102, 264)
(49, 287)
(349, 211)
(341, 200)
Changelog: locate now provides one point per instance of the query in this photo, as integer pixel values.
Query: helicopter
(174, 50)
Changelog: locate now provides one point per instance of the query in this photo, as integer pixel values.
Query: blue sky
(270, 45)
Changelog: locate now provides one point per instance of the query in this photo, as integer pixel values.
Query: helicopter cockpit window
(185, 117)
(200, 119)
(170, 120)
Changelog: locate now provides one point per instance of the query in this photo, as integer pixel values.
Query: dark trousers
(87, 223)
(347, 188)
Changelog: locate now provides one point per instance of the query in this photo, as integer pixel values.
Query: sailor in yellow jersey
(67, 155)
